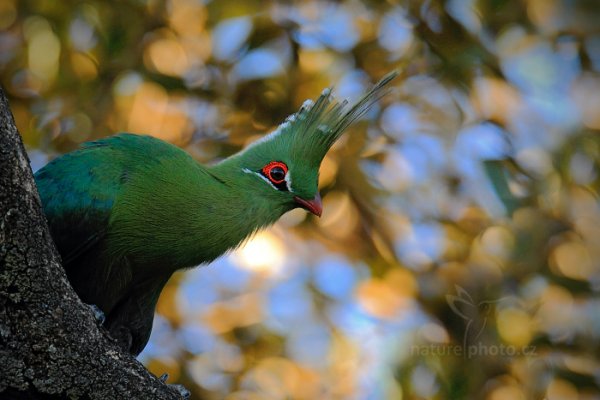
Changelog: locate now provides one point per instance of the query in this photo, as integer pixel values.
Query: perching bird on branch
(128, 211)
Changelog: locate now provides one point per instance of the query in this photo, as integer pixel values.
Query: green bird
(128, 211)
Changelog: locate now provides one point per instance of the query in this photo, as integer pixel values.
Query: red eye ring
(273, 171)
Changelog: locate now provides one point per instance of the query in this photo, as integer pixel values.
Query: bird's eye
(277, 174)
(275, 171)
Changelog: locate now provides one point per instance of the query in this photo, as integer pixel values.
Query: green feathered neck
(187, 213)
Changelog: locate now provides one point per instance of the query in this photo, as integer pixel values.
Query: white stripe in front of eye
(246, 170)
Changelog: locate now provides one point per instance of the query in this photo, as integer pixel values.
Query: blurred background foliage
(458, 253)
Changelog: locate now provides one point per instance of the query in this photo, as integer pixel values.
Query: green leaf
(498, 174)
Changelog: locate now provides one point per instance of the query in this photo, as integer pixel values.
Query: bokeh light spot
(263, 253)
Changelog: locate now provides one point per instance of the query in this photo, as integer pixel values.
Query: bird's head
(284, 165)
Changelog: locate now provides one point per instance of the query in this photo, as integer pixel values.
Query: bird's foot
(180, 388)
(98, 313)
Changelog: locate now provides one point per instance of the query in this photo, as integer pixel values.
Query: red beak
(314, 206)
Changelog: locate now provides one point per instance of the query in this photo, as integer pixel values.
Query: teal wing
(78, 191)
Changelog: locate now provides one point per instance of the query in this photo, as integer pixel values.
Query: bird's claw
(98, 313)
(182, 390)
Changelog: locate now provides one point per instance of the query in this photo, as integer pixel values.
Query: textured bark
(50, 344)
